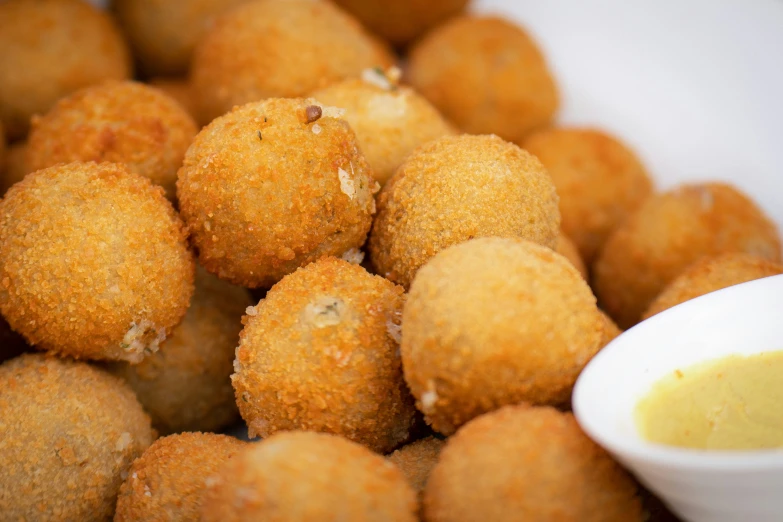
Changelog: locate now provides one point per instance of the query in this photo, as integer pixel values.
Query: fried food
(69, 434)
(122, 122)
(168, 482)
(50, 48)
(321, 353)
(277, 480)
(458, 188)
(528, 463)
(496, 321)
(416, 461)
(668, 233)
(710, 274)
(180, 90)
(486, 75)
(94, 262)
(600, 182)
(390, 121)
(266, 48)
(611, 330)
(15, 166)
(566, 248)
(272, 186)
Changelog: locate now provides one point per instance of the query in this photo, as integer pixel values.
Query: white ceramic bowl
(700, 486)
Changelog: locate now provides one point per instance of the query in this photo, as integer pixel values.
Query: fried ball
(611, 330)
(179, 90)
(566, 248)
(668, 233)
(496, 321)
(186, 386)
(121, 122)
(416, 461)
(94, 262)
(15, 166)
(69, 434)
(486, 75)
(321, 353)
(11, 343)
(710, 274)
(390, 121)
(272, 186)
(50, 48)
(167, 483)
(267, 48)
(301, 477)
(599, 180)
(458, 188)
(528, 463)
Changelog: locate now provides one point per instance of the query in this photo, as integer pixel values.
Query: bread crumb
(347, 186)
(353, 255)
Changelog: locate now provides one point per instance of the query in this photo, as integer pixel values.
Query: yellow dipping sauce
(734, 403)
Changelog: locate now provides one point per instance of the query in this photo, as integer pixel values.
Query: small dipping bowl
(698, 485)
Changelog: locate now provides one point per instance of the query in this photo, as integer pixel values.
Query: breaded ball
(611, 330)
(272, 186)
(528, 463)
(186, 385)
(163, 33)
(458, 188)
(416, 461)
(11, 343)
(302, 477)
(93, 262)
(121, 122)
(167, 483)
(486, 75)
(668, 233)
(566, 248)
(267, 48)
(710, 274)
(69, 434)
(390, 121)
(599, 180)
(15, 166)
(50, 48)
(496, 321)
(321, 353)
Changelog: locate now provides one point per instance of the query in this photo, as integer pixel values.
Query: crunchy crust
(566, 248)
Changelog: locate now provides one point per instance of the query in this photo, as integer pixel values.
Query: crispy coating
(11, 343)
(302, 477)
(668, 233)
(122, 122)
(458, 188)
(528, 463)
(94, 262)
(267, 48)
(611, 330)
(69, 434)
(186, 385)
(600, 182)
(710, 274)
(486, 75)
(50, 48)
(167, 483)
(321, 353)
(566, 248)
(264, 192)
(390, 121)
(15, 166)
(416, 461)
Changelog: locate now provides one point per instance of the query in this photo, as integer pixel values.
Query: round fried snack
(599, 180)
(611, 330)
(458, 188)
(710, 274)
(167, 483)
(272, 186)
(390, 121)
(50, 48)
(186, 385)
(566, 248)
(94, 262)
(416, 461)
(668, 233)
(496, 321)
(528, 463)
(321, 353)
(486, 75)
(267, 48)
(301, 477)
(69, 434)
(121, 122)
(15, 166)
(180, 90)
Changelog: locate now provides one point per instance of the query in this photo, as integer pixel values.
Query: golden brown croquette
(668, 233)
(69, 434)
(94, 262)
(50, 48)
(416, 461)
(301, 477)
(321, 353)
(264, 192)
(458, 188)
(611, 330)
(180, 90)
(566, 248)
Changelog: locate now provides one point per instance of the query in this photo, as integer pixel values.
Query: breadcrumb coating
(566, 248)
(15, 167)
